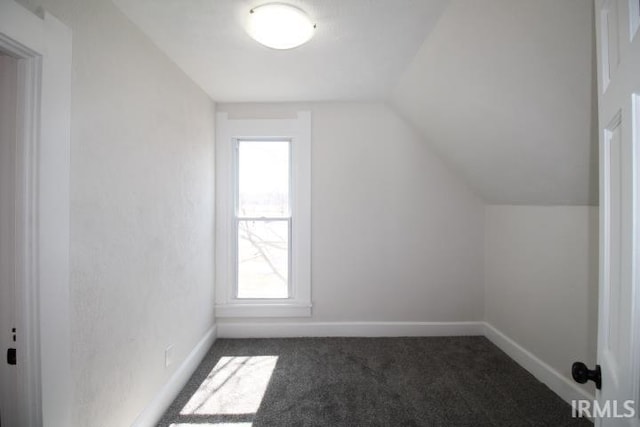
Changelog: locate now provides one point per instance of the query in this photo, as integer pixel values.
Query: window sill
(263, 310)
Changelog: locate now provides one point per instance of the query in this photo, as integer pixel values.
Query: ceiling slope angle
(358, 51)
(505, 92)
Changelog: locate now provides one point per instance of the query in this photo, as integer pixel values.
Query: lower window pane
(263, 259)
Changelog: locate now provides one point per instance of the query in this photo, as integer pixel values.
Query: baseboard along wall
(561, 385)
(155, 409)
(348, 329)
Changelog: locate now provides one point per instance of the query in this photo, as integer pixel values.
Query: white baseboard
(347, 329)
(561, 385)
(157, 407)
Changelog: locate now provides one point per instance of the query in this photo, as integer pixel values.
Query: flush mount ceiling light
(279, 26)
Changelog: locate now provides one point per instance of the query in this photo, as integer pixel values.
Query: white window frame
(228, 133)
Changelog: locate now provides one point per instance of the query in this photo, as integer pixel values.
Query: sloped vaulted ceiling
(505, 92)
(359, 49)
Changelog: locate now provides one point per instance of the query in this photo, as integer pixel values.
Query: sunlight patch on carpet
(211, 425)
(236, 385)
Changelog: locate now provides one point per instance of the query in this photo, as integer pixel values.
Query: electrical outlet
(168, 356)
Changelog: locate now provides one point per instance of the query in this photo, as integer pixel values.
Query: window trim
(228, 132)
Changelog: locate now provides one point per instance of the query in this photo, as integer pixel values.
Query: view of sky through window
(263, 219)
(263, 179)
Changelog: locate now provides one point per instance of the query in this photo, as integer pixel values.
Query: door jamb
(42, 45)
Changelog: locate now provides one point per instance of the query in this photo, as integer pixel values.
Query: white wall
(395, 235)
(541, 280)
(142, 212)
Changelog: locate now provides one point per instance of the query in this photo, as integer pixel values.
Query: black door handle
(582, 374)
(11, 356)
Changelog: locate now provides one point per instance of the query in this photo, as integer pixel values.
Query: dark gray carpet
(443, 381)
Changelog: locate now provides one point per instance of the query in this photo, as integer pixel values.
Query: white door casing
(8, 119)
(618, 51)
(42, 46)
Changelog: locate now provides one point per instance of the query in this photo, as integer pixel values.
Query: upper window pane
(263, 178)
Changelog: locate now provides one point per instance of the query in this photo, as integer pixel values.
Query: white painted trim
(54, 165)
(558, 383)
(43, 46)
(298, 130)
(347, 329)
(634, 18)
(157, 407)
(263, 310)
(26, 256)
(21, 28)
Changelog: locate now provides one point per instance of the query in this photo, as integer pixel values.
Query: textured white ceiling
(504, 90)
(358, 52)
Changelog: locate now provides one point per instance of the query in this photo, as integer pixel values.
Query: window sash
(238, 218)
(236, 177)
(236, 260)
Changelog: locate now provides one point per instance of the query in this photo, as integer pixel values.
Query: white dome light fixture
(280, 26)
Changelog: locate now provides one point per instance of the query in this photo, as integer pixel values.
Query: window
(263, 217)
